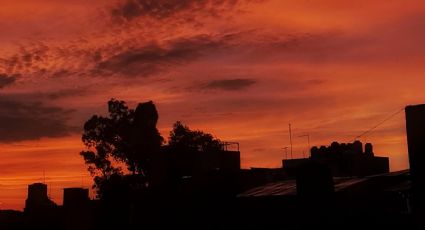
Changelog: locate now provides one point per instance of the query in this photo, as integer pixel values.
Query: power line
(379, 124)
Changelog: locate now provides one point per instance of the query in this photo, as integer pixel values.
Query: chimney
(368, 150)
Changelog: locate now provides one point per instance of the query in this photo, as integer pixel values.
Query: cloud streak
(230, 84)
(161, 9)
(22, 119)
(153, 58)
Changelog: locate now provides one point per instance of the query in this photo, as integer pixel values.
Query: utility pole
(290, 138)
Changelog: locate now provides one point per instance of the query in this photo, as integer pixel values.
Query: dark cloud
(6, 80)
(160, 9)
(153, 58)
(230, 84)
(293, 84)
(21, 119)
(131, 57)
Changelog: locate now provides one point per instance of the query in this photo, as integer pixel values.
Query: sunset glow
(241, 70)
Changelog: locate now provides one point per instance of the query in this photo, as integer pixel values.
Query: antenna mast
(308, 142)
(286, 152)
(290, 138)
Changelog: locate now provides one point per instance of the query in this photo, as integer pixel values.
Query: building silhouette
(75, 197)
(77, 211)
(345, 159)
(188, 172)
(40, 210)
(38, 200)
(338, 185)
(415, 127)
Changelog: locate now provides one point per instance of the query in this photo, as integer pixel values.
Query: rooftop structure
(345, 159)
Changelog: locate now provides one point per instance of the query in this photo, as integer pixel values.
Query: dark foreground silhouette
(195, 182)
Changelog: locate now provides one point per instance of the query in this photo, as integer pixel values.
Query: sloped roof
(389, 182)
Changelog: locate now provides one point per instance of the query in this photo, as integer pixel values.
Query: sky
(239, 69)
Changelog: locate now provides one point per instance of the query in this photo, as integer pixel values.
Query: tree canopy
(183, 139)
(124, 136)
(129, 138)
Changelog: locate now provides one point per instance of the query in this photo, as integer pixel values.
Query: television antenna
(308, 142)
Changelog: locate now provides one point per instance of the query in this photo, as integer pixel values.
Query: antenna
(286, 152)
(290, 138)
(308, 141)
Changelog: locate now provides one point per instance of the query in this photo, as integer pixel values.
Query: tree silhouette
(125, 136)
(183, 139)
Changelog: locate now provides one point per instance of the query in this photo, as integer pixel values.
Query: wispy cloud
(230, 84)
(160, 9)
(147, 60)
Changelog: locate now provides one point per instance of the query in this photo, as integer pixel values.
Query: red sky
(240, 69)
